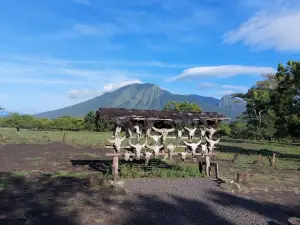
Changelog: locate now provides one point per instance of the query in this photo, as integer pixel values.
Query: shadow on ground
(105, 165)
(264, 152)
(47, 200)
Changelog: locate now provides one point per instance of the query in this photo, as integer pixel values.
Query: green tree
(184, 106)
(224, 129)
(238, 129)
(286, 99)
(259, 115)
(90, 121)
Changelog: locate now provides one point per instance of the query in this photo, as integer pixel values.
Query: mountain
(145, 96)
(232, 104)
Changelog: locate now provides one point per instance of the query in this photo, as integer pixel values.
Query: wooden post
(239, 177)
(217, 171)
(115, 167)
(273, 159)
(207, 165)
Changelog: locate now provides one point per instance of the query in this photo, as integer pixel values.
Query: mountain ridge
(146, 96)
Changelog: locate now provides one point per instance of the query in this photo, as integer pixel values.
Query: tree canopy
(184, 106)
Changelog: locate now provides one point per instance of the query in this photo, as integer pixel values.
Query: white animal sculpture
(138, 148)
(147, 157)
(130, 133)
(127, 156)
(155, 138)
(211, 144)
(148, 132)
(138, 131)
(171, 148)
(211, 131)
(179, 134)
(203, 148)
(182, 155)
(203, 132)
(164, 132)
(118, 131)
(193, 146)
(156, 148)
(117, 143)
(191, 132)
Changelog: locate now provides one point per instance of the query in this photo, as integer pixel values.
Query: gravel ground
(195, 201)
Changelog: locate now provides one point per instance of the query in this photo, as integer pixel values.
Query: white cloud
(224, 86)
(69, 64)
(86, 94)
(223, 71)
(83, 2)
(236, 88)
(270, 28)
(207, 85)
(114, 86)
(83, 94)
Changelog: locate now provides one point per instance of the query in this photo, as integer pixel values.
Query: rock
(236, 185)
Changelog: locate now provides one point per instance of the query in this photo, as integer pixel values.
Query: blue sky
(60, 52)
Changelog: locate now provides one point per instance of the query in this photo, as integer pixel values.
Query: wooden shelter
(160, 121)
(148, 118)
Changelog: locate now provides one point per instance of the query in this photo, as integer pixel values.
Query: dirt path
(199, 201)
(43, 199)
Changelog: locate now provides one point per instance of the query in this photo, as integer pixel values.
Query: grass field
(285, 174)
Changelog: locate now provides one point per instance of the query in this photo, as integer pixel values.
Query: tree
(224, 129)
(259, 115)
(184, 106)
(285, 99)
(90, 121)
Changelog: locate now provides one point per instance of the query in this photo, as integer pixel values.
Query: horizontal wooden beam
(175, 153)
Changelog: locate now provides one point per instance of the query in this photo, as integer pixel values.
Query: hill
(146, 96)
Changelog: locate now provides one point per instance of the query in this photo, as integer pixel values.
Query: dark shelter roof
(137, 114)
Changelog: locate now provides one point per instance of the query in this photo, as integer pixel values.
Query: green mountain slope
(140, 96)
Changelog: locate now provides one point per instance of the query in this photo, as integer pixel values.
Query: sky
(61, 52)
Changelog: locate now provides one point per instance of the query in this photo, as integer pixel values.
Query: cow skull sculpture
(203, 132)
(117, 143)
(138, 131)
(179, 134)
(164, 132)
(118, 131)
(155, 138)
(171, 148)
(191, 132)
(130, 133)
(127, 156)
(203, 148)
(147, 157)
(148, 133)
(211, 131)
(156, 148)
(193, 146)
(211, 143)
(182, 155)
(137, 149)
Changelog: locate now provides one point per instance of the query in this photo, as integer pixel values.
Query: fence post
(115, 167)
